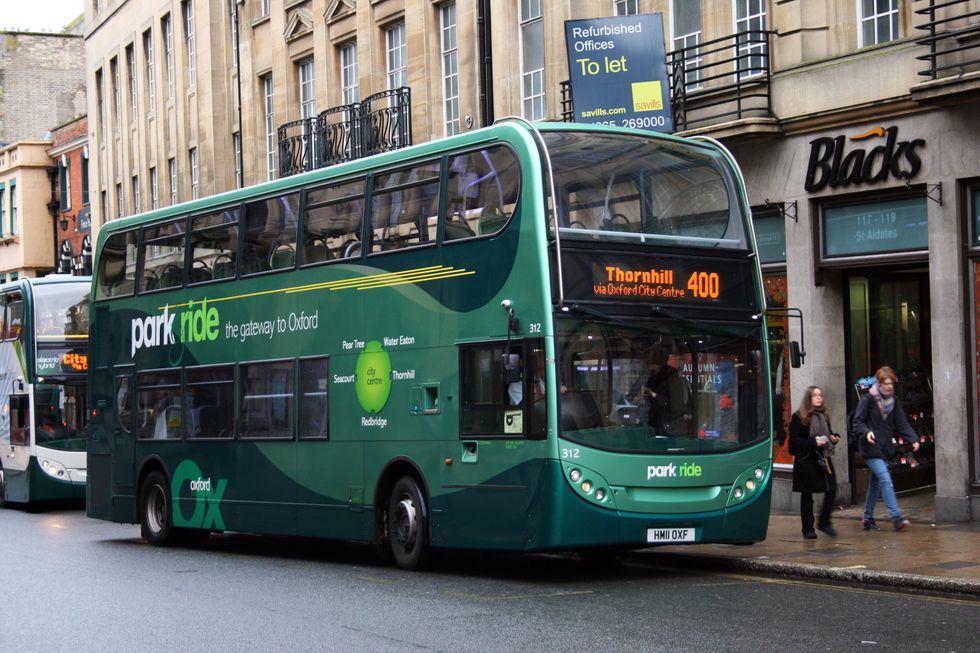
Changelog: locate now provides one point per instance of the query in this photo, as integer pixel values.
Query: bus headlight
(575, 475)
(759, 473)
(586, 486)
(56, 470)
(600, 494)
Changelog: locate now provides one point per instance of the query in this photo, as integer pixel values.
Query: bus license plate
(670, 535)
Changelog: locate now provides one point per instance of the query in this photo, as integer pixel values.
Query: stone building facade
(42, 83)
(188, 97)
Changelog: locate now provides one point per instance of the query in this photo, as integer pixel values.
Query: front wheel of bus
(155, 521)
(408, 524)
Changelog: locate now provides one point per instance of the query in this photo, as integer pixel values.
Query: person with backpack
(878, 418)
(811, 442)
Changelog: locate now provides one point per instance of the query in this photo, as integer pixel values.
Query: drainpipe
(486, 62)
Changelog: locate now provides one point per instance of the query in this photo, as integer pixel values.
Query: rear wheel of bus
(407, 522)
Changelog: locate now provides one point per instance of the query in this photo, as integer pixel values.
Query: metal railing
(379, 123)
(721, 80)
(953, 40)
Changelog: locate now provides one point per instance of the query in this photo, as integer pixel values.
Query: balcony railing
(712, 82)
(379, 123)
(721, 80)
(953, 38)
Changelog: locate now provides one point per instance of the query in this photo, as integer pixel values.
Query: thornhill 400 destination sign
(669, 280)
(618, 71)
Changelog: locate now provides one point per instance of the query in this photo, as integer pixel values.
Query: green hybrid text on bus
(526, 337)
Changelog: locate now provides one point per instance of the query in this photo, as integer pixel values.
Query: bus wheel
(408, 524)
(155, 522)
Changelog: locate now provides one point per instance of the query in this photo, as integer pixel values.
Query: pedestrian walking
(878, 419)
(811, 442)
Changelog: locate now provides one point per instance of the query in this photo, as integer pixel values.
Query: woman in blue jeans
(880, 418)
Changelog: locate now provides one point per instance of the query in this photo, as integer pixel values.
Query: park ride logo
(197, 323)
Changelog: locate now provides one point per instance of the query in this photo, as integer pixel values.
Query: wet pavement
(926, 556)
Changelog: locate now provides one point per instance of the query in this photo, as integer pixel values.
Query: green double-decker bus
(43, 364)
(526, 337)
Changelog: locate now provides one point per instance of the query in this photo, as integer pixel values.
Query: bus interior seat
(171, 276)
(455, 229)
(579, 411)
(199, 271)
(283, 256)
(316, 250)
(492, 219)
(224, 267)
(350, 249)
(209, 422)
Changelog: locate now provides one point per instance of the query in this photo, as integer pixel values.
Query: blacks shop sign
(832, 163)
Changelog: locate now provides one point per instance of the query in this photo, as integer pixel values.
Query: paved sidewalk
(926, 556)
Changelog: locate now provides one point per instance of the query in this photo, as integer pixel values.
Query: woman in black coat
(811, 442)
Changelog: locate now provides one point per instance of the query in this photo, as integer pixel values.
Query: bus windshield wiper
(591, 312)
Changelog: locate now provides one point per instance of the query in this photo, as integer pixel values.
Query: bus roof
(516, 127)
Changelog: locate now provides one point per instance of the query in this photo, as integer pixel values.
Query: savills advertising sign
(834, 164)
(618, 71)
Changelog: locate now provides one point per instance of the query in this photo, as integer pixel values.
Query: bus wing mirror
(796, 355)
(511, 364)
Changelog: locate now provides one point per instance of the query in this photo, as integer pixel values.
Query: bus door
(502, 418)
(18, 451)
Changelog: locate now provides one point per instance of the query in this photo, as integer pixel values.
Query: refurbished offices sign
(618, 71)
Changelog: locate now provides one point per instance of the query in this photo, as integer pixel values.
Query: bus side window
(124, 404)
(214, 245)
(20, 419)
(270, 234)
(162, 258)
(14, 316)
(332, 222)
(482, 192)
(501, 401)
(400, 205)
(117, 266)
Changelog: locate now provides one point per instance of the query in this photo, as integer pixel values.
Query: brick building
(70, 200)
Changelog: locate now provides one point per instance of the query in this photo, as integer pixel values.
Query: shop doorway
(888, 323)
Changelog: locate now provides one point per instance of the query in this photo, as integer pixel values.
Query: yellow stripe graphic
(367, 282)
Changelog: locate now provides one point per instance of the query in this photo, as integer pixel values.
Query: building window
(194, 180)
(100, 95)
(136, 194)
(879, 22)
(131, 70)
(265, 6)
(13, 208)
(172, 172)
(116, 102)
(750, 23)
(104, 204)
(64, 182)
(270, 128)
(349, 86)
(236, 140)
(168, 44)
(234, 32)
(85, 199)
(397, 53)
(628, 7)
(189, 39)
(532, 60)
(148, 57)
(450, 68)
(120, 206)
(686, 17)
(154, 189)
(307, 89)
